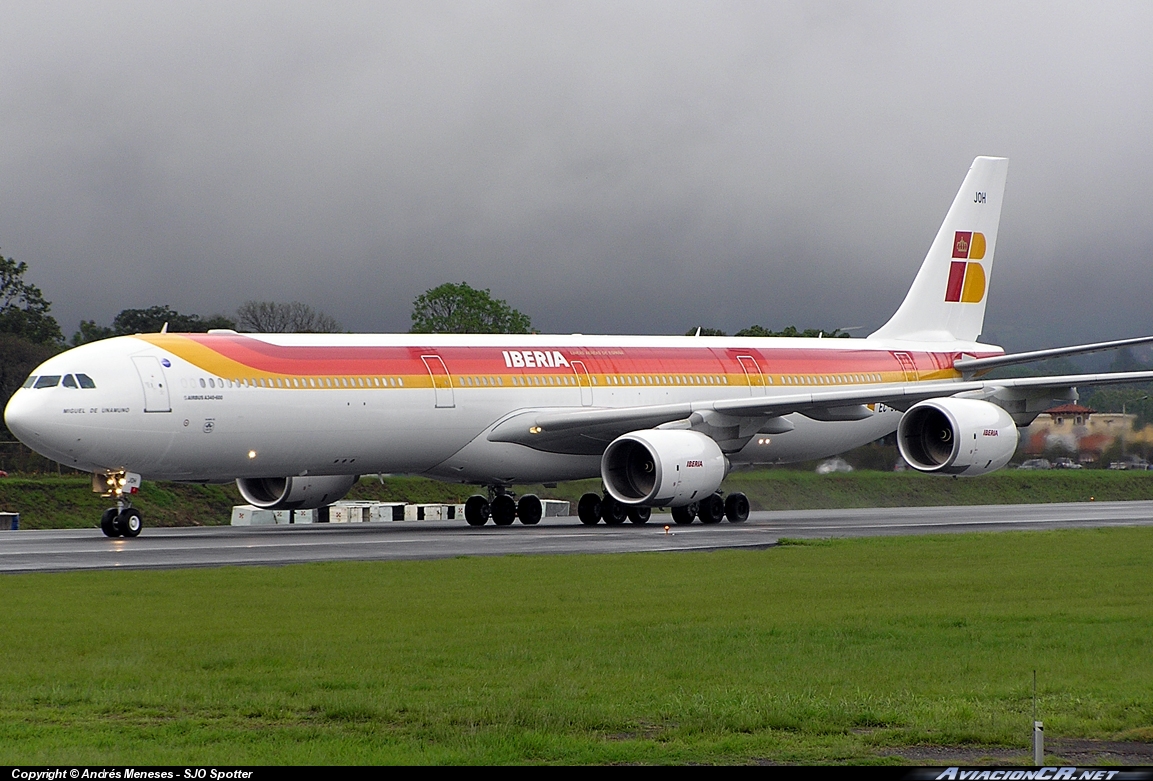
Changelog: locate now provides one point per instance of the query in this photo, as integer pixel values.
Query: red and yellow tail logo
(967, 279)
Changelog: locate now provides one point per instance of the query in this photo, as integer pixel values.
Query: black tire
(712, 509)
(589, 509)
(613, 512)
(503, 510)
(684, 515)
(640, 514)
(476, 510)
(529, 510)
(108, 523)
(130, 522)
(737, 508)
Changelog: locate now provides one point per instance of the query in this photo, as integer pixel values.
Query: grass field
(67, 502)
(819, 652)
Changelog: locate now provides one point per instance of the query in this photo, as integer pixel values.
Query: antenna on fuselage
(164, 328)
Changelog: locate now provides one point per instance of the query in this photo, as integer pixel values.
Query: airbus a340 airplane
(294, 419)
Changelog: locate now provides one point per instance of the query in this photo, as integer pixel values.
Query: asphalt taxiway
(212, 546)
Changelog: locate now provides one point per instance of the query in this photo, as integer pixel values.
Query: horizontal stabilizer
(970, 366)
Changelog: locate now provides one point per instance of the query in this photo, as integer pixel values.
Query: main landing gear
(593, 508)
(503, 508)
(123, 520)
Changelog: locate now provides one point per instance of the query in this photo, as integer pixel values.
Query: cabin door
(907, 366)
(582, 378)
(441, 380)
(753, 374)
(155, 385)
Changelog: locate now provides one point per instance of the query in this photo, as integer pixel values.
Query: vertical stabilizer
(947, 299)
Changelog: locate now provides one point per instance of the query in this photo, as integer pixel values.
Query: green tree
(149, 321)
(791, 331)
(270, 317)
(460, 309)
(91, 332)
(23, 310)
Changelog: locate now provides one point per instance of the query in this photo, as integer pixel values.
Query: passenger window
(202, 383)
(69, 381)
(48, 381)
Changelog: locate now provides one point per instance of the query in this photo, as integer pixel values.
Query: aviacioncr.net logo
(966, 279)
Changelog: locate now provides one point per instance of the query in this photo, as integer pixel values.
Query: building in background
(1083, 433)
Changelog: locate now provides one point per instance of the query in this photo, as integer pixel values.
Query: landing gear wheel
(613, 512)
(639, 515)
(476, 510)
(503, 510)
(529, 510)
(684, 515)
(108, 523)
(130, 522)
(737, 508)
(589, 509)
(712, 509)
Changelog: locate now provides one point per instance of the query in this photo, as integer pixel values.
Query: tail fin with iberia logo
(947, 299)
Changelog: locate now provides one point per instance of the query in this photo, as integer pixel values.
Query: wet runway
(86, 549)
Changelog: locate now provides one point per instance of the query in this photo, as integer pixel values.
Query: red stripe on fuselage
(370, 360)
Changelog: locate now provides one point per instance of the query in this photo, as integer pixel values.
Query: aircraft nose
(21, 418)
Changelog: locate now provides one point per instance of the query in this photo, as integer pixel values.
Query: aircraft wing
(970, 366)
(586, 431)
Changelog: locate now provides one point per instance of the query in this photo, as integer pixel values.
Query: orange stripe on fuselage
(237, 355)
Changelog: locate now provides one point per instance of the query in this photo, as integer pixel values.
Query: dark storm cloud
(619, 167)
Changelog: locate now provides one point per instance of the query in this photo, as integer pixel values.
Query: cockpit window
(85, 381)
(28, 382)
(69, 381)
(47, 381)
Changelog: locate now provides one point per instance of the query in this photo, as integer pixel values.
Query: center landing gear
(123, 520)
(713, 509)
(593, 508)
(503, 508)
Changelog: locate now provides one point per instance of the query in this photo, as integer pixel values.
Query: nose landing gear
(123, 520)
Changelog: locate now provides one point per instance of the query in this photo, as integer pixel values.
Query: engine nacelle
(295, 493)
(956, 436)
(662, 468)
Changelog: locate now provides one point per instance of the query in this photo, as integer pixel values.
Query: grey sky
(605, 167)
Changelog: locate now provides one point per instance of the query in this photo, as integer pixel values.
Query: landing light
(252, 454)
(534, 430)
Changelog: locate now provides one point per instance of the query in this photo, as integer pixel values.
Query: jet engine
(956, 436)
(662, 468)
(295, 493)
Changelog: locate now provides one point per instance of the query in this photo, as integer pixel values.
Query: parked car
(1130, 462)
(834, 464)
(1036, 463)
(1066, 463)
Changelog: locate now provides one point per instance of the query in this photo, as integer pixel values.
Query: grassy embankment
(824, 652)
(67, 502)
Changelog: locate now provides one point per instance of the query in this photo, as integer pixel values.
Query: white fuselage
(221, 406)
